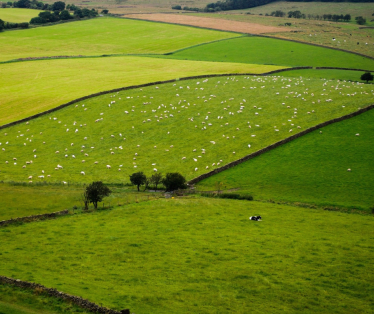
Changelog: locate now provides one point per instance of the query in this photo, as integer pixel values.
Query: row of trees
(9, 25)
(172, 181)
(246, 4)
(96, 191)
(55, 16)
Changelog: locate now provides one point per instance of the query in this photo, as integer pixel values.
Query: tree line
(97, 190)
(298, 15)
(246, 4)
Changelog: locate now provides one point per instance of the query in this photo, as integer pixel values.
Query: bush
(23, 25)
(176, 7)
(174, 181)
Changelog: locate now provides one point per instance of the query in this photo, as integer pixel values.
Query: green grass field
(261, 50)
(103, 36)
(18, 15)
(313, 168)
(27, 88)
(201, 255)
(209, 122)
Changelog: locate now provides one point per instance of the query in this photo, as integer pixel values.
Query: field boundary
(279, 143)
(83, 303)
(4, 223)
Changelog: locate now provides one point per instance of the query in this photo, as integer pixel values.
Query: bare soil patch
(220, 24)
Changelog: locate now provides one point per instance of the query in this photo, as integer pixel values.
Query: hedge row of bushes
(229, 195)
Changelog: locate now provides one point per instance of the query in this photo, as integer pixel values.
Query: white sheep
(108, 166)
(82, 173)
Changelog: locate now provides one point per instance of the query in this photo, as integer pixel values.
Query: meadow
(188, 255)
(101, 36)
(188, 126)
(28, 88)
(312, 169)
(18, 15)
(259, 50)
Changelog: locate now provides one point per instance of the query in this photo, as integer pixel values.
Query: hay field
(232, 26)
(31, 87)
(102, 36)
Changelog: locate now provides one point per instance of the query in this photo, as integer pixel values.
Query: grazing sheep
(82, 173)
(108, 166)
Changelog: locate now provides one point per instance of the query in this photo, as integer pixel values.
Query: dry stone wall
(33, 218)
(277, 144)
(83, 303)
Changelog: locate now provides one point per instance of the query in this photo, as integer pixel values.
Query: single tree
(138, 179)
(156, 179)
(174, 181)
(96, 191)
(104, 11)
(367, 77)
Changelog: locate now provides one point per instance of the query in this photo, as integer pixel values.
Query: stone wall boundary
(280, 143)
(336, 68)
(83, 303)
(4, 223)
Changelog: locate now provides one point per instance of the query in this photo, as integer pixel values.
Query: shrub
(176, 7)
(174, 181)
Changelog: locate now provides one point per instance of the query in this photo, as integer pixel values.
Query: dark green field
(313, 168)
(261, 50)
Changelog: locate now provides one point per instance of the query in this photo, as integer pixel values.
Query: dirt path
(220, 24)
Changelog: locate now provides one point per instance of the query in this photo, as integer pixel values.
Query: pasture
(188, 126)
(188, 255)
(103, 35)
(27, 88)
(15, 15)
(272, 51)
(313, 168)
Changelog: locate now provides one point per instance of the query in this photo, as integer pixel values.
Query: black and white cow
(256, 218)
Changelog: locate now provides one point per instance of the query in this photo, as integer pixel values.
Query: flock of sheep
(124, 124)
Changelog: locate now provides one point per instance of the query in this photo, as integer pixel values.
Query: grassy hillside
(18, 15)
(188, 255)
(273, 51)
(313, 168)
(27, 88)
(209, 122)
(103, 36)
